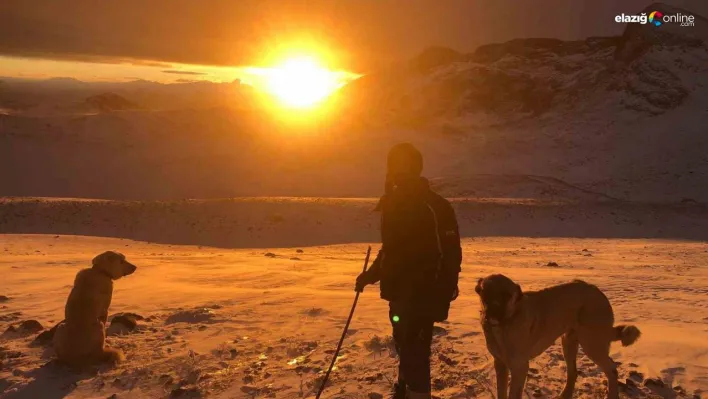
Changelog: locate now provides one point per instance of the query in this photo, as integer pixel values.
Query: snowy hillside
(624, 116)
(615, 117)
(648, 70)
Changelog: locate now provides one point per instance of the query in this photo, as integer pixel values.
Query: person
(417, 267)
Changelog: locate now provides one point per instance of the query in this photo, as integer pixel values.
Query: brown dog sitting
(79, 340)
(519, 326)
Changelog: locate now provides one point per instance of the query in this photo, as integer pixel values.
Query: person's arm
(371, 275)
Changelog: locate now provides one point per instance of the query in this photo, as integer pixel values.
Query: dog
(80, 339)
(519, 326)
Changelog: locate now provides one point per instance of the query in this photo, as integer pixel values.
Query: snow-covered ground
(247, 297)
(252, 323)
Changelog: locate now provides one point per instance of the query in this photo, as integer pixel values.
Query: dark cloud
(183, 72)
(360, 33)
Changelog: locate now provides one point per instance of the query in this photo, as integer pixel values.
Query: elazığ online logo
(656, 18)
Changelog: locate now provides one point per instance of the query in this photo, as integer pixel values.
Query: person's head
(404, 160)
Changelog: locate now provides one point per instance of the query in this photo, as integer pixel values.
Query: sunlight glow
(300, 82)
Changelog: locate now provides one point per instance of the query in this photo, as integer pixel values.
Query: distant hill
(58, 96)
(106, 102)
(647, 70)
(602, 118)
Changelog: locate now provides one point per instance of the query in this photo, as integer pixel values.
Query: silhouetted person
(418, 265)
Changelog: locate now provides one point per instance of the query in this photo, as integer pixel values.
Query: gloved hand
(361, 281)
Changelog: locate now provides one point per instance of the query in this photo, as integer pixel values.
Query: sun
(300, 82)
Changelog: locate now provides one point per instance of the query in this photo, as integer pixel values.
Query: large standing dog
(519, 326)
(79, 340)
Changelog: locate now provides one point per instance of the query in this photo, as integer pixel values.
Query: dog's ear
(109, 263)
(515, 301)
(478, 288)
(519, 293)
(100, 258)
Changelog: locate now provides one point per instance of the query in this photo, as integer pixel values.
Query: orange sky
(215, 39)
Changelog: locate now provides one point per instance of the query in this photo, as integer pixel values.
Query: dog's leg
(608, 367)
(518, 380)
(570, 353)
(599, 352)
(502, 378)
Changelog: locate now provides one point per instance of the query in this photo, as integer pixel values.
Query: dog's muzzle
(130, 269)
(494, 314)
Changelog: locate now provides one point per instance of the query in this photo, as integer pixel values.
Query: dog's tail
(112, 355)
(626, 334)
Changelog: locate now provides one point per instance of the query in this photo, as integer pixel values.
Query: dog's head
(499, 296)
(113, 264)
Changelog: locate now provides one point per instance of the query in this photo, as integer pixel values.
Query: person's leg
(399, 388)
(419, 337)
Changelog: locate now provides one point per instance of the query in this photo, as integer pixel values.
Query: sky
(182, 40)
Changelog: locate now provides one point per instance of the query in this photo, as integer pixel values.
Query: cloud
(187, 81)
(184, 72)
(150, 63)
(359, 35)
(88, 58)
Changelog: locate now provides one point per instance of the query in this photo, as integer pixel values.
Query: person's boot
(399, 390)
(418, 395)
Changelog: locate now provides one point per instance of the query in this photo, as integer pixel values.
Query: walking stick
(344, 333)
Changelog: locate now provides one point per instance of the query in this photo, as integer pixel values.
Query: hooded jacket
(420, 257)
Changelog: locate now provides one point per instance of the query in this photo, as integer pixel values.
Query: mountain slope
(621, 117)
(624, 116)
(649, 70)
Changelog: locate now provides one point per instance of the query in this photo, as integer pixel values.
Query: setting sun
(300, 82)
